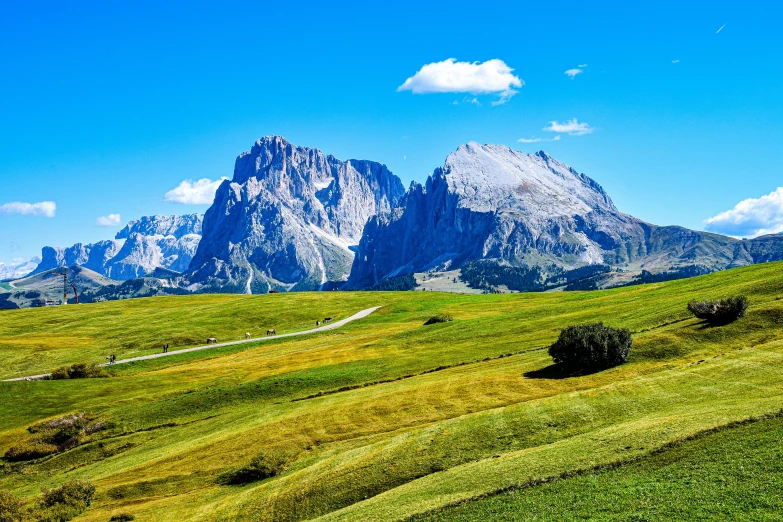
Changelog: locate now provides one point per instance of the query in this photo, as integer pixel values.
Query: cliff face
(140, 247)
(289, 218)
(491, 202)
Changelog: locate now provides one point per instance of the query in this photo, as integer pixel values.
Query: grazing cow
(327, 319)
(247, 335)
(271, 332)
(211, 340)
(166, 348)
(318, 323)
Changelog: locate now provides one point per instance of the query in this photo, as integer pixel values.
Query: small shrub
(57, 513)
(29, 451)
(11, 508)
(264, 465)
(440, 318)
(78, 371)
(122, 517)
(720, 311)
(591, 347)
(75, 492)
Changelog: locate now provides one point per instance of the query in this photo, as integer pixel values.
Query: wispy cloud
(751, 217)
(490, 77)
(675, 61)
(571, 127)
(44, 208)
(572, 73)
(472, 100)
(189, 192)
(538, 140)
(721, 28)
(112, 220)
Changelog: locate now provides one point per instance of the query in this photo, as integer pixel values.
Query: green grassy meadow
(387, 419)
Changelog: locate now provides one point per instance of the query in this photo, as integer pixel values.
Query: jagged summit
(289, 218)
(140, 247)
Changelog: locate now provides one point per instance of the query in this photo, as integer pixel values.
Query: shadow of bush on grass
(557, 371)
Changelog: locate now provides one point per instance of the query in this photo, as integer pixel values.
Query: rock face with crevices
(289, 219)
(490, 202)
(142, 246)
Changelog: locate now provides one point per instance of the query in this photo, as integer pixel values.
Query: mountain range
(293, 218)
(492, 203)
(289, 219)
(139, 248)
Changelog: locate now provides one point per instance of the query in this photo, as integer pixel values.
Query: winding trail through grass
(329, 326)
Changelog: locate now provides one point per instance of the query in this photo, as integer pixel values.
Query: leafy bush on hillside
(591, 347)
(75, 492)
(264, 465)
(11, 508)
(64, 503)
(78, 371)
(29, 450)
(400, 283)
(53, 436)
(440, 318)
(720, 311)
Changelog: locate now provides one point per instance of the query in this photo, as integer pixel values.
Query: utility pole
(65, 286)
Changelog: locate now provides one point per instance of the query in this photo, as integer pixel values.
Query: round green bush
(440, 318)
(720, 311)
(591, 347)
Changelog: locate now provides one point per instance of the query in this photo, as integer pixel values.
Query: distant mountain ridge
(140, 247)
(288, 219)
(490, 202)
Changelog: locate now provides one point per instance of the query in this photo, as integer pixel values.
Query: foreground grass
(735, 474)
(385, 418)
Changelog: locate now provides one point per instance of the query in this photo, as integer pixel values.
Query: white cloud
(112, 220)
(190, 192)
(573, 72)
(582, 65)
(572, 127)
(490, 77)
(44, 208)
(675, 61)
(538, 140)
(751, 217)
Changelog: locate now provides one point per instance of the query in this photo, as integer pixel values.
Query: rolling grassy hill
(387, 419)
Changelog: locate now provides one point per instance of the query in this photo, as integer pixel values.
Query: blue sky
(107, 106)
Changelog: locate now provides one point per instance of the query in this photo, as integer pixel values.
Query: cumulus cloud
(112, 220)
(44, 208)
(490, 77)
(538, 140)
(190, 192)
(751, 217)
(571, 127)
(573, 72)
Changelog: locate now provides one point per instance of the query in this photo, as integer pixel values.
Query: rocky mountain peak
(290, 216)
(489, 178)
(177, 226)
